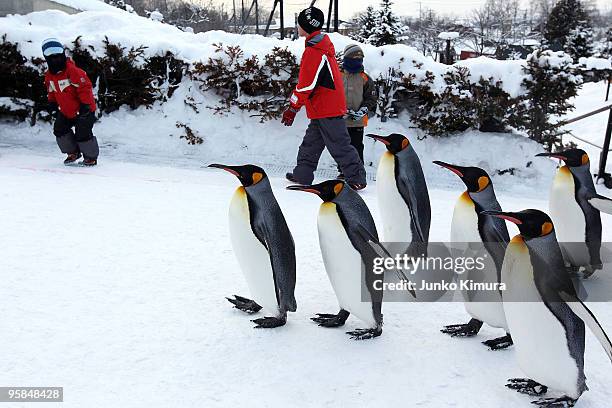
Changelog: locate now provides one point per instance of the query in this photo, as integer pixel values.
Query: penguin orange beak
(554, 155)
(229, 169)
(451, 167)
(512, 217)
(381, 139)
(308, 189)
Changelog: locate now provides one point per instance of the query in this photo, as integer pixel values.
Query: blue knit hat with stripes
(52, 46)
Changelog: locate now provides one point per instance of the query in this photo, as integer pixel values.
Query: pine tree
(606, 45)
(366, 22)
(565, 16)
(579, 42)
(388, 28)
(549, 84)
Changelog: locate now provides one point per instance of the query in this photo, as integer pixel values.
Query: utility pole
(282, 20)
(256, 17)
(329, 13)
(234, 16)
(335, 16)
(242, 12)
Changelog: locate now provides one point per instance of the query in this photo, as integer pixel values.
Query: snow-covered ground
(591, 97)
(113, 285)
(113, 278)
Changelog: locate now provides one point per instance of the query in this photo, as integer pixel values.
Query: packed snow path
(113, 285)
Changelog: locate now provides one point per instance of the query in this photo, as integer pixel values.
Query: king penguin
(346, 229)
(470, 226)
(545, 316)
(574, 206)
(402, 193)
(263, 246)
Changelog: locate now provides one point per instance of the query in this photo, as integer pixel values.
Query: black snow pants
(356, 134)
(330, 133)
(81, 140)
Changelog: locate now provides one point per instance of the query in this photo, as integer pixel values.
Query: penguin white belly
(570, 224)
(539, 337)
(464, 227)
(464, 230)
(393, 209)
(343, 264)
(252, 255)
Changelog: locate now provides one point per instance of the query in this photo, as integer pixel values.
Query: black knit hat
(311, 19)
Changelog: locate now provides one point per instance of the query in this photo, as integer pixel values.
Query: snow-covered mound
(88, 5)
(132, 30)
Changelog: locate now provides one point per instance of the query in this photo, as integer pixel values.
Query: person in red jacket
(71, 100)
(320, 88)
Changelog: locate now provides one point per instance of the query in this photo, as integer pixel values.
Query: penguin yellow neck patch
(517, 239)
(466, 198)
(405, 143)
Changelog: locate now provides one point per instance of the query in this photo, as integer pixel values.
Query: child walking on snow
(360, 95)
(321, 90)
(71, 100)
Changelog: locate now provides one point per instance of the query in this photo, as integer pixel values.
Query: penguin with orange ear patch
(574, 206)
(470, 226)
(402, 194)
(544, 313)
(346, 232)
(263, 246)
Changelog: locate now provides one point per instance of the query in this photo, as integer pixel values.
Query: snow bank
(132, 30)
(509, 72)
(450, 35)
(88, 5)
(592, 63)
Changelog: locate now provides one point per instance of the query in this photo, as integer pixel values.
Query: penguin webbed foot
(331, 320)
(499, 343)
(365, 334)
(269, 322)
(246, 305)
(527, 386)
(468, 329)
(562, 402)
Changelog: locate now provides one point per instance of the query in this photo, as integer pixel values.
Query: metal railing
(605, 149)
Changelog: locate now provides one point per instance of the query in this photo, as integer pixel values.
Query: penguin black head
(571, 157)
(531, 223)
(474, 178)
(248, 174)
(327, 190)
(395, 142)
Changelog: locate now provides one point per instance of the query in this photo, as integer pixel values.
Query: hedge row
(127, 77)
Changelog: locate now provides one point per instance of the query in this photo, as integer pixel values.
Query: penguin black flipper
(553, 283)
(603, 204)
(381, 251)
(355, 232)
(584, 194)
(495, 237)
(274, 234)
(583, 312)
(416, 197)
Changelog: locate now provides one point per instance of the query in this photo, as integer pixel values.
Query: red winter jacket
(69, 89)
(320, 85)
